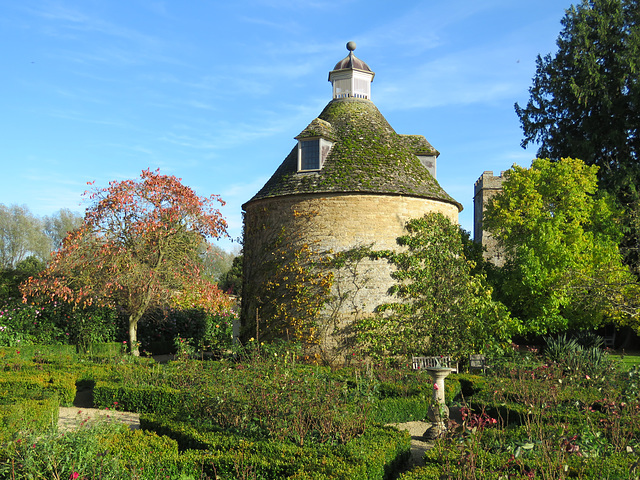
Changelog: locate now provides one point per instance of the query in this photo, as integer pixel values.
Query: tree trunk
(134, 346)
(134, 317)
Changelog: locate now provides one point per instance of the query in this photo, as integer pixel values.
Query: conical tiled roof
(368, 157)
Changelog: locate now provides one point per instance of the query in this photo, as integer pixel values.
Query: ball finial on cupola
(351, 46)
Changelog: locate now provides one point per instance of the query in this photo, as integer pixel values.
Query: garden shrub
(22, 324)
(452, 389)
(374, 455)
(470, 384)
(55, 324)
(276, 401)
(477, 460)
(47, 354)
(38, 385)
(139, 451)
(87, 327)
(426, 472)
(211, 332)
(581, 354)
(399, 410)
(142, 399)
(25, 416)
(105, 451)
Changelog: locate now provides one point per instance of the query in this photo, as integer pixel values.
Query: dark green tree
(231, 280)
(441, 307)
(585, 102)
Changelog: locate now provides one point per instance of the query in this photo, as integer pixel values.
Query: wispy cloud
(289, 26)
(221, 134)
(476, 75)
(84, 117)
(94, 39)
(62, 17)
(306, 5)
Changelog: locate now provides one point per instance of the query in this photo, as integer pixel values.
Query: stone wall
(486, 187)
(334, 222)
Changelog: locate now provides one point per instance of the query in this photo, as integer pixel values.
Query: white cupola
(351, 77)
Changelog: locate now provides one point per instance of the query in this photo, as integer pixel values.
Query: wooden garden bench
(610, 340)
(478, 362)
(420, 363)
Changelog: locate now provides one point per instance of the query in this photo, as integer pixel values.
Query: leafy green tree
(216, 261)
(21, 236)
(585, 102)
(442, 308)
(58, 225)
(563, 268)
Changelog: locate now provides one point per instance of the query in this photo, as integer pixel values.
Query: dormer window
(312, 153)
(314, 145)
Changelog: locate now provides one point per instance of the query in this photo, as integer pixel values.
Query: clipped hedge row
(422, 387)
(146, 399)
(374, 455)
(399, 410)
(37, 385)
(468, 384)
(502, 465)
(143, 451)
(28, 416)
(66, 352)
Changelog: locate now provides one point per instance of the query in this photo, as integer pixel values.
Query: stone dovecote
(370, 183)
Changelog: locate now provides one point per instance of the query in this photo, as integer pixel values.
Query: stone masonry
(486, 187)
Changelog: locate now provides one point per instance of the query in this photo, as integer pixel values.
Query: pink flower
(435, 386)
(587, 377)
(74, 475)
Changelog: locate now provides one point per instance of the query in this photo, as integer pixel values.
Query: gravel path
(72, 418)
(418, 444)
(82, 413)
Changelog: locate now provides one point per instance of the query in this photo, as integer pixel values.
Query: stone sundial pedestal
(439, 412)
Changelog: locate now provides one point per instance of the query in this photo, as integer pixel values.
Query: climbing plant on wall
(293, 288)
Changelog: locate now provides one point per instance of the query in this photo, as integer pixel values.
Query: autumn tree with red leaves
(136, 248)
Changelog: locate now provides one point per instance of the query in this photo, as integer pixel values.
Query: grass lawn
(628, 360)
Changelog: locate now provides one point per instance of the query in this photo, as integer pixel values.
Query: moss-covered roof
(368, 157)
(418, 145)
(318, 128)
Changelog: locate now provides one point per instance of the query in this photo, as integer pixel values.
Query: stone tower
(350, 180)
(486, 187)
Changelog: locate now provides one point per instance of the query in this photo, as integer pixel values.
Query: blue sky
(214, 92)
